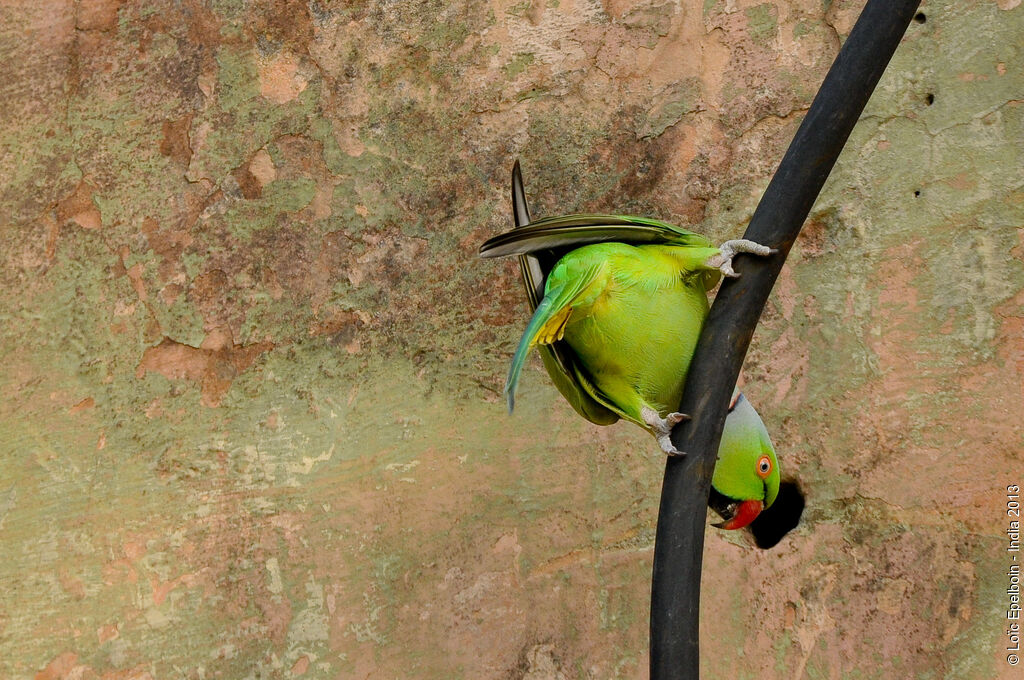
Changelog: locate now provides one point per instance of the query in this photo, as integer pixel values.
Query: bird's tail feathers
(529, 339)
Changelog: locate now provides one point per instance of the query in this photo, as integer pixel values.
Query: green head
(746, 479)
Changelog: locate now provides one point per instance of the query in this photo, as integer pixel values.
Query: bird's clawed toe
(729, 249)
(662, 428)
(674, 419)
(665, 442)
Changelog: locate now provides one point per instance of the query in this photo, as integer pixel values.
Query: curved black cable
(678, 551)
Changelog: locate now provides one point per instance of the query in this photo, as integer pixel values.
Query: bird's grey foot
(729, 249)
(662, 428)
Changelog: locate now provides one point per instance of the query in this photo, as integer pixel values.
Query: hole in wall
(917, 192)
(929, 99)
(920, 18)
(772, 525)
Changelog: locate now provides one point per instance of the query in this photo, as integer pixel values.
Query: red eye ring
(764, 466)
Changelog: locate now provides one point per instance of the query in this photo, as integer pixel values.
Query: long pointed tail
(529, 339)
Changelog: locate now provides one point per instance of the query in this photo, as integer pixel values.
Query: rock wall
(250, 368)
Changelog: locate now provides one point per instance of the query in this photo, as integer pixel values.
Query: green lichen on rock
(762, 23)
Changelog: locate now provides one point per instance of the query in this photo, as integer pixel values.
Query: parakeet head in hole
(746, 479)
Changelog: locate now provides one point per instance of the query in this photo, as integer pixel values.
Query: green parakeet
(619, 304)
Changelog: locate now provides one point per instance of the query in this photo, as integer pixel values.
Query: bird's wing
(578, 281)
(559, 360)
(573, 231)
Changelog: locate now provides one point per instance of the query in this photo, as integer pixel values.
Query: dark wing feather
(572, 231)
(534, 267)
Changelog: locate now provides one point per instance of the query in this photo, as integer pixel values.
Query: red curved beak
(745, 513)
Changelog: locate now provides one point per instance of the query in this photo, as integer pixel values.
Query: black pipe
(679, 545)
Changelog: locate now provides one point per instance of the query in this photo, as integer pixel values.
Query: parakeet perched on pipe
(619, 304)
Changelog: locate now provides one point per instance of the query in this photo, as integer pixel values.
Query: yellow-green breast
(636, 338)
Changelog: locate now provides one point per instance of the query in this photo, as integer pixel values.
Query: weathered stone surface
(251, 365)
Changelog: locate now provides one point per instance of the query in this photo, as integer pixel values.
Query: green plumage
(617, 320)
(745, 440)
(631, 315)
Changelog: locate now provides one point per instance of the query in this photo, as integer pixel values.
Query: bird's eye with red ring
(764, 466)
